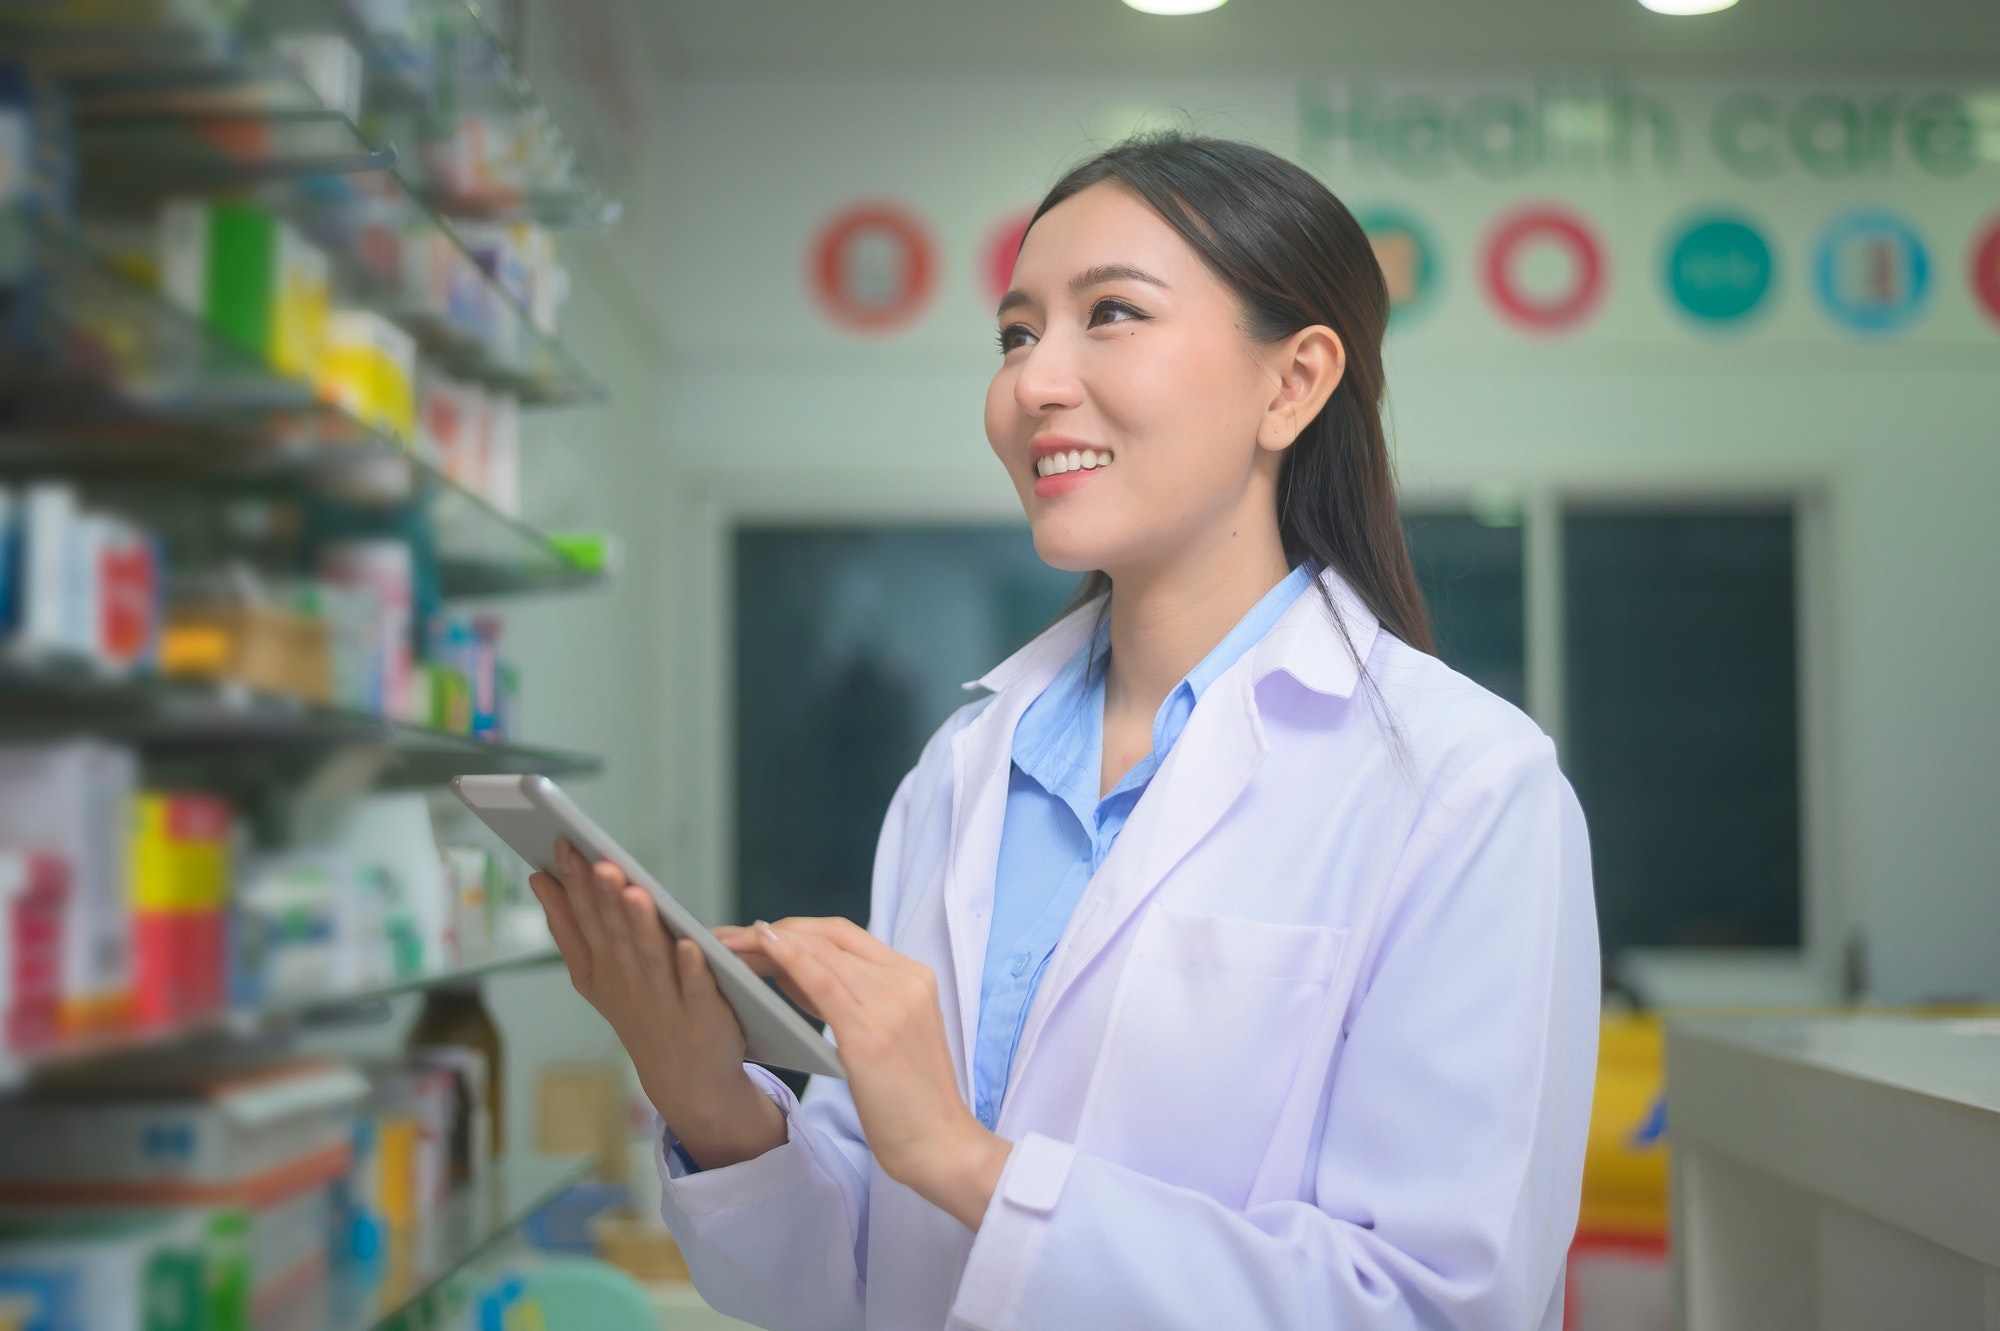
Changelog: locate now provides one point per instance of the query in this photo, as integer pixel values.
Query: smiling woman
(1199, 989)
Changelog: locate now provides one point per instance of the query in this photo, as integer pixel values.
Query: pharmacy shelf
(161, 96)
(176, 721)
(114, 381)
(249, 1020)
(397, 1289)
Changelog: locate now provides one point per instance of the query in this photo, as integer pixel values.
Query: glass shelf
(17, 1066)
(417, 1261)
(212, 724)
(132, 82)
(117, 382)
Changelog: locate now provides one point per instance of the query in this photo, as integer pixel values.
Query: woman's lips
(1060, 471)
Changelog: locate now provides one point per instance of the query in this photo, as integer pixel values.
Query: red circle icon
(1546, 313)
(872, 267)
(1985, 275)
(1003, 246)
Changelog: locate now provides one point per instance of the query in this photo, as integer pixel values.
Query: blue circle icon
(1872, 272)
(1719, 269)
(1408, 257)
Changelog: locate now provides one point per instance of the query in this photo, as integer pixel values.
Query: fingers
(699, 993)
(562, 926)
(842, 933)
(804, 969)
(642, 923)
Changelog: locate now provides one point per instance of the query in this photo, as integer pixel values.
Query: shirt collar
(1305, 644)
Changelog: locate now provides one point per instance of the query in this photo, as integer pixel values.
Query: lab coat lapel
(982, 756)
(1206, 772)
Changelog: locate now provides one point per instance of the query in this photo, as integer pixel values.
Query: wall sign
(1872, 272)
(1002, 247)
(1986, 269)
(873, 267)
(1409, 259)
(1515, 240)
(1719, 269)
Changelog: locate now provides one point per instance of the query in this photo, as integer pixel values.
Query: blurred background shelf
(113, 382)
(415, 1261)
(209, 724)
(147, 90)
(17, 1066)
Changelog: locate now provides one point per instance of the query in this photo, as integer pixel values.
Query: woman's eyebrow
(1088, 278)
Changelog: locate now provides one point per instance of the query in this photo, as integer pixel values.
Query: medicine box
(251, 277)
(180, 1133)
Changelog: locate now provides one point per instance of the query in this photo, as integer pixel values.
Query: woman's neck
(1165, 619)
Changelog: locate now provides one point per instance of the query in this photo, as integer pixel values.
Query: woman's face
(1120, 347)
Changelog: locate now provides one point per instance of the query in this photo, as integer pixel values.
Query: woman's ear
(1308, 367)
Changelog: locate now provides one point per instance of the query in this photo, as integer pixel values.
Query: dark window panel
(1474, 581)
(851, 646)
(1682, 729)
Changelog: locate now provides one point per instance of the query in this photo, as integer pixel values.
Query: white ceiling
(1960, 38)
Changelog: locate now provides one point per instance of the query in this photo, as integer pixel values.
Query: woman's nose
(1048, 380)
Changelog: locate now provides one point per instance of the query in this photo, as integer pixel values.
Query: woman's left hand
(883, 1008)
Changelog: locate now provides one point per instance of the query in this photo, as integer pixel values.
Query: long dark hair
(1295, 257)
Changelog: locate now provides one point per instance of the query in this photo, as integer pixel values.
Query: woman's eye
(1107, 311)
(1012, 336)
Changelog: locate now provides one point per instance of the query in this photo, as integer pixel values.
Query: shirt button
(1020, 966)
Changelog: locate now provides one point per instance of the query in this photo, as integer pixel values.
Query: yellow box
(369, 371)
(180, 852)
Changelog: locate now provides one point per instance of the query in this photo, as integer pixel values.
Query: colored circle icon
(1003, 246)
(1872, 272)
(1720, 269)
(1985, 273)
(872, 267)
(1544, 269)
(1408, 258)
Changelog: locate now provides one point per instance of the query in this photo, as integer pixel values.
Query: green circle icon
(1719, 269)
(1408, 257)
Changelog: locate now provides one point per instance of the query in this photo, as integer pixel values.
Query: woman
(1233, 962)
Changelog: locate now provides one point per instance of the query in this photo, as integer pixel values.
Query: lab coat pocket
(1212, 1019)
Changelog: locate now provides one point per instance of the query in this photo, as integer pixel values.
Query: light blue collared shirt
(1057, 831)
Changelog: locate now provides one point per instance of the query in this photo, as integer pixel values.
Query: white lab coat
(1316, 1049)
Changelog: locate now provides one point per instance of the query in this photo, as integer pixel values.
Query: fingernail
(766, 932)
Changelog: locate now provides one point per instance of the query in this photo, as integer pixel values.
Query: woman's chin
(1068, 556)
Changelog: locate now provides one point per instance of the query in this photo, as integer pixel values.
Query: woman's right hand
(661, 999)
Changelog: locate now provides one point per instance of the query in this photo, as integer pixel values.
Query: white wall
(767, 408)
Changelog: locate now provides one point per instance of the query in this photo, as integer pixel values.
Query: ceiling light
(1684, 7)
(1179, 6)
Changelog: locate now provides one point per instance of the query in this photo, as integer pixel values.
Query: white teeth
(1083, 459)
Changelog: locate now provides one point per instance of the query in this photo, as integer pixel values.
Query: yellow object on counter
(1625, 1160)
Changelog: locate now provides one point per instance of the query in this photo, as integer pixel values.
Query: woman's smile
(1062, 465)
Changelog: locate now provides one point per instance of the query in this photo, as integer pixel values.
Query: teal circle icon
(1720, 269)
(1408, 257)
(1872, 272)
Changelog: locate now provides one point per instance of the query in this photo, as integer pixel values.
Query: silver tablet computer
(531, 814)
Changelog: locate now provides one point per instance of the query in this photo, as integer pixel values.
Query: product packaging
(385, 569)
(118, 1272)
(180, 893)
(34, 897)
(251, 277)
(369, 371)
(73, 799)
(330, 66)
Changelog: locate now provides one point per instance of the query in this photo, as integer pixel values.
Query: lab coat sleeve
(1450, 1155)
(780, 1241)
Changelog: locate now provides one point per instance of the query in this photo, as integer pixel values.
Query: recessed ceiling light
(1684, 7)
(1179, 6)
